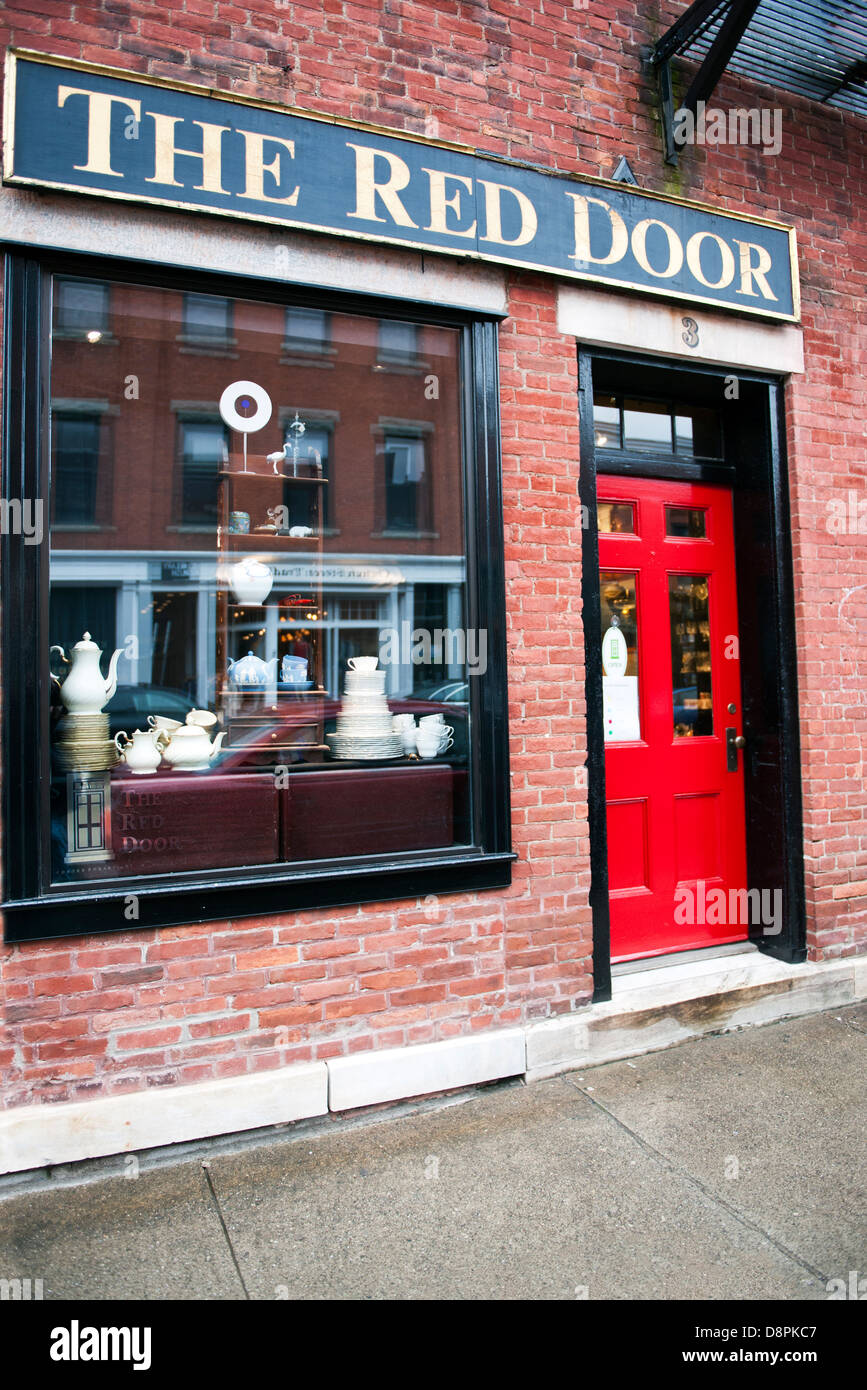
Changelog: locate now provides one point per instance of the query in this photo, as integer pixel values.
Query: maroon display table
(191, 820)
(338, 813)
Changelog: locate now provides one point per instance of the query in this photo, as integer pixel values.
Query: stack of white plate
(364, 727)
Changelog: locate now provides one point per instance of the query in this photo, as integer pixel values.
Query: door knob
(734, 741)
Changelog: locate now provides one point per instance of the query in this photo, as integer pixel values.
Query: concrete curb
(650, 1010)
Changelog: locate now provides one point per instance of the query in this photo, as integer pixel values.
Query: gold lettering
(256, 168)
(165, 151)
(693, 260)
(98, 127)
(367, 189)
(639, 249)
(750, 272)
(619, 234)
(494, 215)
(440, 204)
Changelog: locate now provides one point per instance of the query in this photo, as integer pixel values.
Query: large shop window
(274, 676)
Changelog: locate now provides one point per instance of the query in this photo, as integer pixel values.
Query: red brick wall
(563, 86)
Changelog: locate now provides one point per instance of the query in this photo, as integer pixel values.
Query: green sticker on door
(619, 691)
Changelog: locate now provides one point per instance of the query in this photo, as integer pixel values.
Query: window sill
(401, 367)
(79, 335)
(207, 347)
(193, 529)
(78, 527)
(406, 535)
(205, 898)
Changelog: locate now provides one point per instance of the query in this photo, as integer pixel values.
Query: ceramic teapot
(251, 671)
(85, 690)
(250, 580)
(190, 750)
(142, 752)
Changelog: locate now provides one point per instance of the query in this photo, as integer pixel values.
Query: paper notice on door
(620, 708)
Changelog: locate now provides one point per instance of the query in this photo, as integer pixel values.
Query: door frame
(755, 469)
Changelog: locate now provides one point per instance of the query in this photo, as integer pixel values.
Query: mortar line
(707, 1191)
(206, 1169)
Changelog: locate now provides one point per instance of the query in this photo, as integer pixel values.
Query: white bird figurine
(276, 458)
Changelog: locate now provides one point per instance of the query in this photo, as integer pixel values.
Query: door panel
(671, 689)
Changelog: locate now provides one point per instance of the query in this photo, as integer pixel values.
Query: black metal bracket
(682, 33)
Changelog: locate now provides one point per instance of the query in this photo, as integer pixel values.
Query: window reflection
(685, 522)
(237, 572)
(690, 655)
(620, 696)
(647, 426)
(616, 517)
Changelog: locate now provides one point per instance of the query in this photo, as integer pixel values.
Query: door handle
(734, 741)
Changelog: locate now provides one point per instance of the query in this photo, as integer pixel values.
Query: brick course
(564, 87)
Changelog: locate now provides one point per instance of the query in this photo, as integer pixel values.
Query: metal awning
(812, 48)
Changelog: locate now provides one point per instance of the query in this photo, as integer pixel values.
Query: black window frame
(35, 909)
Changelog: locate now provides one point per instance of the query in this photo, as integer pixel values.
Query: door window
(690, 655)
(618, 604)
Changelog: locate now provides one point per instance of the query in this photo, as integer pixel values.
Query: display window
(265, 641)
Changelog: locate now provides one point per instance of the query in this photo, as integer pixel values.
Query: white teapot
(85, 690)
(142, 752)
(250, 580)
(190, 750)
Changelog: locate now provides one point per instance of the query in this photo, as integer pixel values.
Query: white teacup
(428, 719)
(163, 727)
(363, 663)
(162, 721)
(429, 744)
(203, 717)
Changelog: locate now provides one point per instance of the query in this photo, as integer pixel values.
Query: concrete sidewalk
(727, 1167)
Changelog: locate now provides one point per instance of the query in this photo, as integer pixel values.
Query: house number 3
(690, 332)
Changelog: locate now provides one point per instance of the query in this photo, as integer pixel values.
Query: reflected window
(207, 319)
(616, 518)
(308, 504)
(308, 331)
(203, 454)
(647, 426)
(606, 421)
(398, 342)
(75, 463)
(80, 308)
(689, 617)
(405, 484)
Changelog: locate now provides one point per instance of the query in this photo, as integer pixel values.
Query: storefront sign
(92, 130)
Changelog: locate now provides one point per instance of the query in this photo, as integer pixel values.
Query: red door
(671, 711)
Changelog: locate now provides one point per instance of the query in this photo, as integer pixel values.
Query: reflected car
(270, 741)
(129, 707)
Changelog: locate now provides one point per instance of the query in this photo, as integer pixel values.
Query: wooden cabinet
(269, 610)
